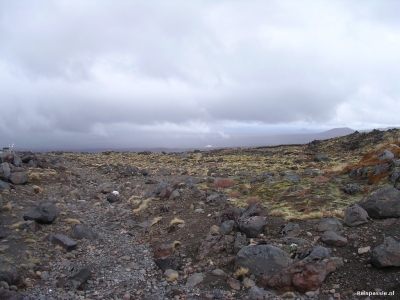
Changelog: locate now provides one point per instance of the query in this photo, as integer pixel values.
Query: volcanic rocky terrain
(314, 221)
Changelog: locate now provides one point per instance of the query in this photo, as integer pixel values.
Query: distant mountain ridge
(238, 140)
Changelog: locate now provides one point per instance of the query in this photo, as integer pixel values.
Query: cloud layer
(155, 73)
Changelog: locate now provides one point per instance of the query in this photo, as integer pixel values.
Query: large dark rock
(5, 172)
(240, 242)
(10, 295)
(214, 245)
(256, 293)
(13, 277)
(44, 213)
(290, 229)
(333, 239)
(262, 260)
(316, 253)
(308, 274)
(291, 177)
(321, 157)
(17, 161)
(352, 188)
(79, 278)
(27, 158)
(305, 275)
(254, 209)
(6, 157)
(63, 241)
(355, 215)
(383, 203)
(4, 186)
(113, 197)
(2, 232)
(165, 193)
(227, 227)
(19, 177)
(253, 226)
(386, 155)
(161, 186)
(83, 232)
(395, 176)
(106, 188)
(169, 262)
(386, 254)
(216, 198)
(329, 224)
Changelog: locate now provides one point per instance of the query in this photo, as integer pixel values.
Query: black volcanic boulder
(5, 171)
(4, 186)
(352, 188)
(251, 222)
(43, 213)
(329, 224)
(83, 232)
(333, 239)
(168, 262)
(290, 229)
(262, 260)
(383, 203)
(63, 241)
(386, 155)
(255, 209)
(321, 157)
(355, 215)
(308, 274)
(386, 254)
(19, 177)
(253, 226)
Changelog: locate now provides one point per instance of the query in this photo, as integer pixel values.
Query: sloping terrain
(144, 213)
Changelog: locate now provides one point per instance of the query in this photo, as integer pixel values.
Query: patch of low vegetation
(224, 183)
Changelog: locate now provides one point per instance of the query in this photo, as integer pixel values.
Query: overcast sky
(165, 73)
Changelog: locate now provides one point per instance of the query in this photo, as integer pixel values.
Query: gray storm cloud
(152, 71)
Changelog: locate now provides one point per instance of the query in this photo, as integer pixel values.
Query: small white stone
(363, 250)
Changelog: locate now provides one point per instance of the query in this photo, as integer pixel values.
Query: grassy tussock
(142, 206)
(173, 277)
(305, 217)
(34, 260)
(241, 272)
(133, 199)
(37, 189)
(252, 200)
(176, 221)
(223, 183)
(7, 207)
(73, 221)
(278, 213)
(175, 245)
(155, 221)
(14, 226)
(337, 214)
(338, 168)
(34, 176)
